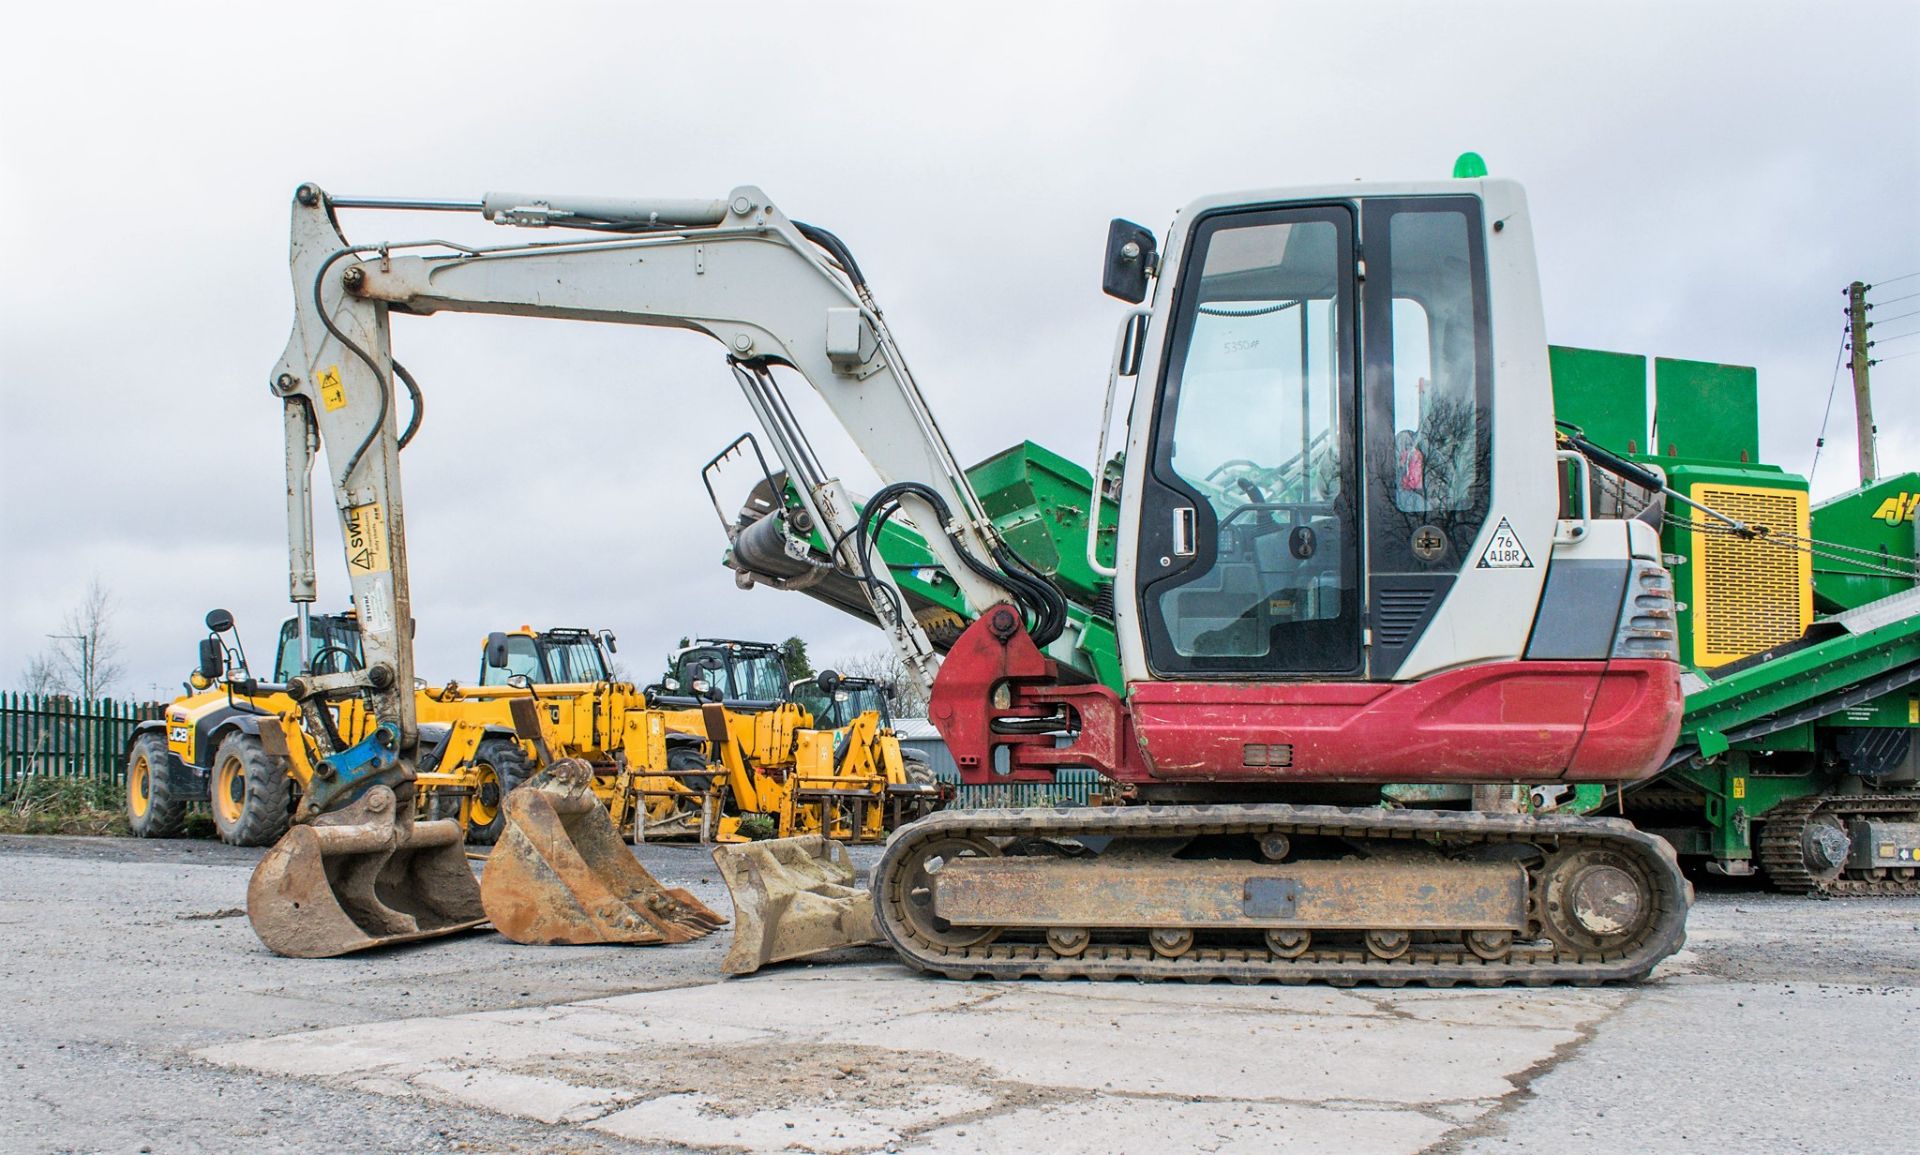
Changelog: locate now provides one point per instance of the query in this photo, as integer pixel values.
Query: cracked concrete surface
(140, 1018)
(869, 1057)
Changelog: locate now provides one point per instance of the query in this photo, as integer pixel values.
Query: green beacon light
(1469, 167)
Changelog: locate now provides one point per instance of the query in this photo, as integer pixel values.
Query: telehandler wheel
(499, 765)
(152, 811)
(251, 792)
(919, 769)
(685, 759)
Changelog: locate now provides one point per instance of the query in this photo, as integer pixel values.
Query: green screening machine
(1796, 759)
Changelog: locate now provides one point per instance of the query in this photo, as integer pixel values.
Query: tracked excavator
(1341, 562)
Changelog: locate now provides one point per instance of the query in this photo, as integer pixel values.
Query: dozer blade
(792, 897)
(560, 874)
(360, 877)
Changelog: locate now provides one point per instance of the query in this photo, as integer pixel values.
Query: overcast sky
(1705, 180)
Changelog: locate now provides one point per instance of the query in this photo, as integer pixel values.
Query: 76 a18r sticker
(1505, 550)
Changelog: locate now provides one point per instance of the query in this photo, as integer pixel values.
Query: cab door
(1249, 562)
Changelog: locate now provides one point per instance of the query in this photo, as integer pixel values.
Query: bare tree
(83, 659)
(883, 665)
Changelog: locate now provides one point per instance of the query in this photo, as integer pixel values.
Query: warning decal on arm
(366, 533)
(332, 393)
(1505, 550)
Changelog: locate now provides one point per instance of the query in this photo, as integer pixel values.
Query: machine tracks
(1788, 845)
(1291, 894)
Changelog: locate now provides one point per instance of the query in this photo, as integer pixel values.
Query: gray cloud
(1705, 179)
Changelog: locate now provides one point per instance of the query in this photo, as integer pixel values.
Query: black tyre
(152, 811)
(686, 758)
(250, 792)
(919, 769)
(499, 765)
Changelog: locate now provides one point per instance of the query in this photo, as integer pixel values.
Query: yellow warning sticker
(1913, 711)
(366, 532)
(332, 393)
(1739, 787)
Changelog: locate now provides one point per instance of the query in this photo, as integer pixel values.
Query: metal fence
(56, 736)
(1069, 788)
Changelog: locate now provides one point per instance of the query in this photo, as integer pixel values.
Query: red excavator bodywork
(1511, 721)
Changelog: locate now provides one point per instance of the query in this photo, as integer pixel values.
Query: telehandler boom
(1340, 564)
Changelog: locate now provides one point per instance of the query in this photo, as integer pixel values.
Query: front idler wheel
(916, 905)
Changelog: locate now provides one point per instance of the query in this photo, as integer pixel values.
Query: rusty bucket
(363, 876)
(561, 874)
(792, 897)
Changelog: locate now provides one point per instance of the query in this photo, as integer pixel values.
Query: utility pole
(1862, 396)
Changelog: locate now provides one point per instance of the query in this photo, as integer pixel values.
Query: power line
(1896, 357)
(1891, 300)
(1897, 316)
(1820, 442)
(1895, 337)
(1891, 280)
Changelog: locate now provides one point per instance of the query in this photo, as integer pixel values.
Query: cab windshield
(832, 711)
(749, 675)
(549, 659)
(333, 646)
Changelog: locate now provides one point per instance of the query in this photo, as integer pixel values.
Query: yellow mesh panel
(1749, 596)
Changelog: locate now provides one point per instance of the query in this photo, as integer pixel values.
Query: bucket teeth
(363, 876)
(561, 874)
(792, 898)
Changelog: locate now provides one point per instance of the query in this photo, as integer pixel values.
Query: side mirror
(892, 691)
(1132, 257)
(219, 621)
(828, 681)
(213, 657)
(607, 640)
(497, 651)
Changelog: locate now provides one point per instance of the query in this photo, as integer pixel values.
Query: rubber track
(1430, 964)
(1784, 859)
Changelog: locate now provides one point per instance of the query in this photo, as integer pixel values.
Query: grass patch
(47, 805)
(758, 826)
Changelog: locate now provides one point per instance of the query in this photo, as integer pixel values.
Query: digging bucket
(362, 877)
(792, 897)
(561, 874)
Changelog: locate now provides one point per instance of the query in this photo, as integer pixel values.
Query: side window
(286, 661)
(1436, 412)
(1429, 385)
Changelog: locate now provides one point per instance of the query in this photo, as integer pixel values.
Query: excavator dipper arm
(772, 292)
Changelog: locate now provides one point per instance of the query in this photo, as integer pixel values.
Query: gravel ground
(125, 958)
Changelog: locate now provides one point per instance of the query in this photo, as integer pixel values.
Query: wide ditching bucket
(362, 877)
(792, 898)
(561, 874)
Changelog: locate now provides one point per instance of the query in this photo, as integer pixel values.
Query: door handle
(1183, 531)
